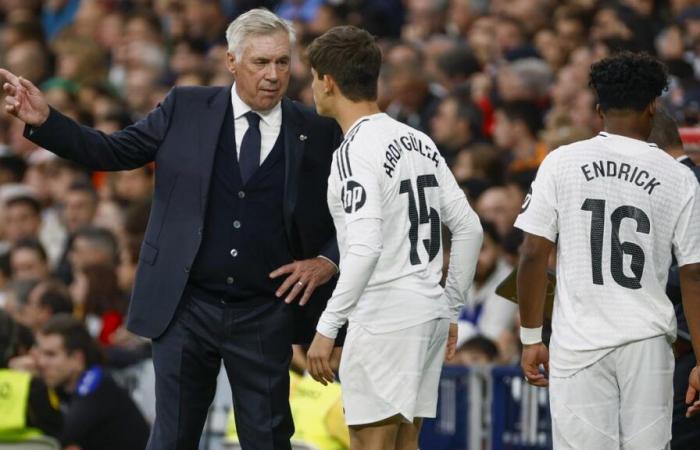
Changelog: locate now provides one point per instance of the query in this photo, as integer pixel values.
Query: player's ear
(651, 109)
(328, 84)
(599, 111)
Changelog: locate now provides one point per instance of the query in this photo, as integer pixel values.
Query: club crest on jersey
(354, 196)
(527, 200)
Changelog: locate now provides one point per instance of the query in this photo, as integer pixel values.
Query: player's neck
(624, 125)
(349, 112)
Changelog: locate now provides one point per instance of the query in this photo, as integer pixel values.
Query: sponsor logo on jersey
(354, 196)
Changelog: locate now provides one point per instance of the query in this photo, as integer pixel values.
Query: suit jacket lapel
(294, 143)
(209, 126)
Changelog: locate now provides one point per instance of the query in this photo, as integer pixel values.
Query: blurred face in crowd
(83, 253)
(133, 185)
(448, 128)
(79, 209)
(58, 368)
(503, 133)
(488, 258)
(262, 72)
(35, 315)
(21, 222)
(27, 264)
(499, 206)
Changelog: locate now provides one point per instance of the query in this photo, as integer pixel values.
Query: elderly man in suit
(239, 229)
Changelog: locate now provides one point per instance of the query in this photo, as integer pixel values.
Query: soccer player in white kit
(389, 191)
(617, 208)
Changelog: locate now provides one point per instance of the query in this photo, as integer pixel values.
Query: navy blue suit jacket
(180, 135)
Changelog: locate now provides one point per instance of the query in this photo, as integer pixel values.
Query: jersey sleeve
(467, 237)
(358, 179)
(539, 211)
(686, 236)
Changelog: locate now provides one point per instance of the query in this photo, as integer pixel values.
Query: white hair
(259, 21)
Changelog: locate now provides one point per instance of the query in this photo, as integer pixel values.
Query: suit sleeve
(130, 148)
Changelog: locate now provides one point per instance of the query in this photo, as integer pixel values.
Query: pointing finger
(28, 85)
(9, 76)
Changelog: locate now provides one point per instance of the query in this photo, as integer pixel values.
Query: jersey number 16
(617, 248)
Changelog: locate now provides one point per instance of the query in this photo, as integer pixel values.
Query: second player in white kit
(618, 209)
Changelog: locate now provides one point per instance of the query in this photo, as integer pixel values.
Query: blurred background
(497, 84)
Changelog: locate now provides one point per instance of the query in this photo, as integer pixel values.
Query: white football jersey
(617, 208)
(389, 171)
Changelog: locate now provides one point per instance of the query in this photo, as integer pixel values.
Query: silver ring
(300, 283)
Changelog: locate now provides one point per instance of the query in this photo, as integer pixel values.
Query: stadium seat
(37, 443)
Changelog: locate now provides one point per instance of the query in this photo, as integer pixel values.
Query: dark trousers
(254, 340)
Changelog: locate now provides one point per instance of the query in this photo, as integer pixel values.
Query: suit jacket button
(187, 269)
(229, 280)
(241, 194)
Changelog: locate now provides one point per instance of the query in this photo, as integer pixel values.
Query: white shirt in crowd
(487, 313)
(617, 208)
(388, 192)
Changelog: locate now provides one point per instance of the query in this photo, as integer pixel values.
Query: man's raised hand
(24, 100)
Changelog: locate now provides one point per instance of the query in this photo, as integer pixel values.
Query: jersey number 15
(416, 217)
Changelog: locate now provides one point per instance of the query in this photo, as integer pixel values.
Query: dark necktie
(249, 159)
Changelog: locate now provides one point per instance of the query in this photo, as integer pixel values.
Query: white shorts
(386, 374)
(623, 401)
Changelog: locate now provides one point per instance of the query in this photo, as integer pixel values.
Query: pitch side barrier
(488, 408)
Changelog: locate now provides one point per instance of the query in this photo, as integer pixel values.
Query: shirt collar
(271, 117)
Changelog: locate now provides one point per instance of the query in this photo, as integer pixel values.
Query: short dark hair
(352, 57)
(523, 110)
(628, 80)
(491, 231)
(57, 298)
(28, 200)
(482, 345)
(665, 132)
(30, 244)
(75, 337)
(83, 186)
(14, 165)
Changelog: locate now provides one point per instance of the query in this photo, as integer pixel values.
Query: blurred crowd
(497, 84)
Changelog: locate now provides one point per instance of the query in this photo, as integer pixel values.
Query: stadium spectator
(456, 125)
(102, 304)
(486, 313)
(476, 350)
(25, 401)
(12, 169)
(28, 261)
(79, 210)
(22, 216)
(92, 246)
(45, 300)
(98, 414)
(516, 128)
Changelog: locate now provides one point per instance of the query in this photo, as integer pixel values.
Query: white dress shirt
(270, 124)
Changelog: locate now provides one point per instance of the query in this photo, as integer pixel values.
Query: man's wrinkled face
(262, 73)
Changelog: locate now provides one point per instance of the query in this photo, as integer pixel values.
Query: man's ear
(599, 111)
(231, 63)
